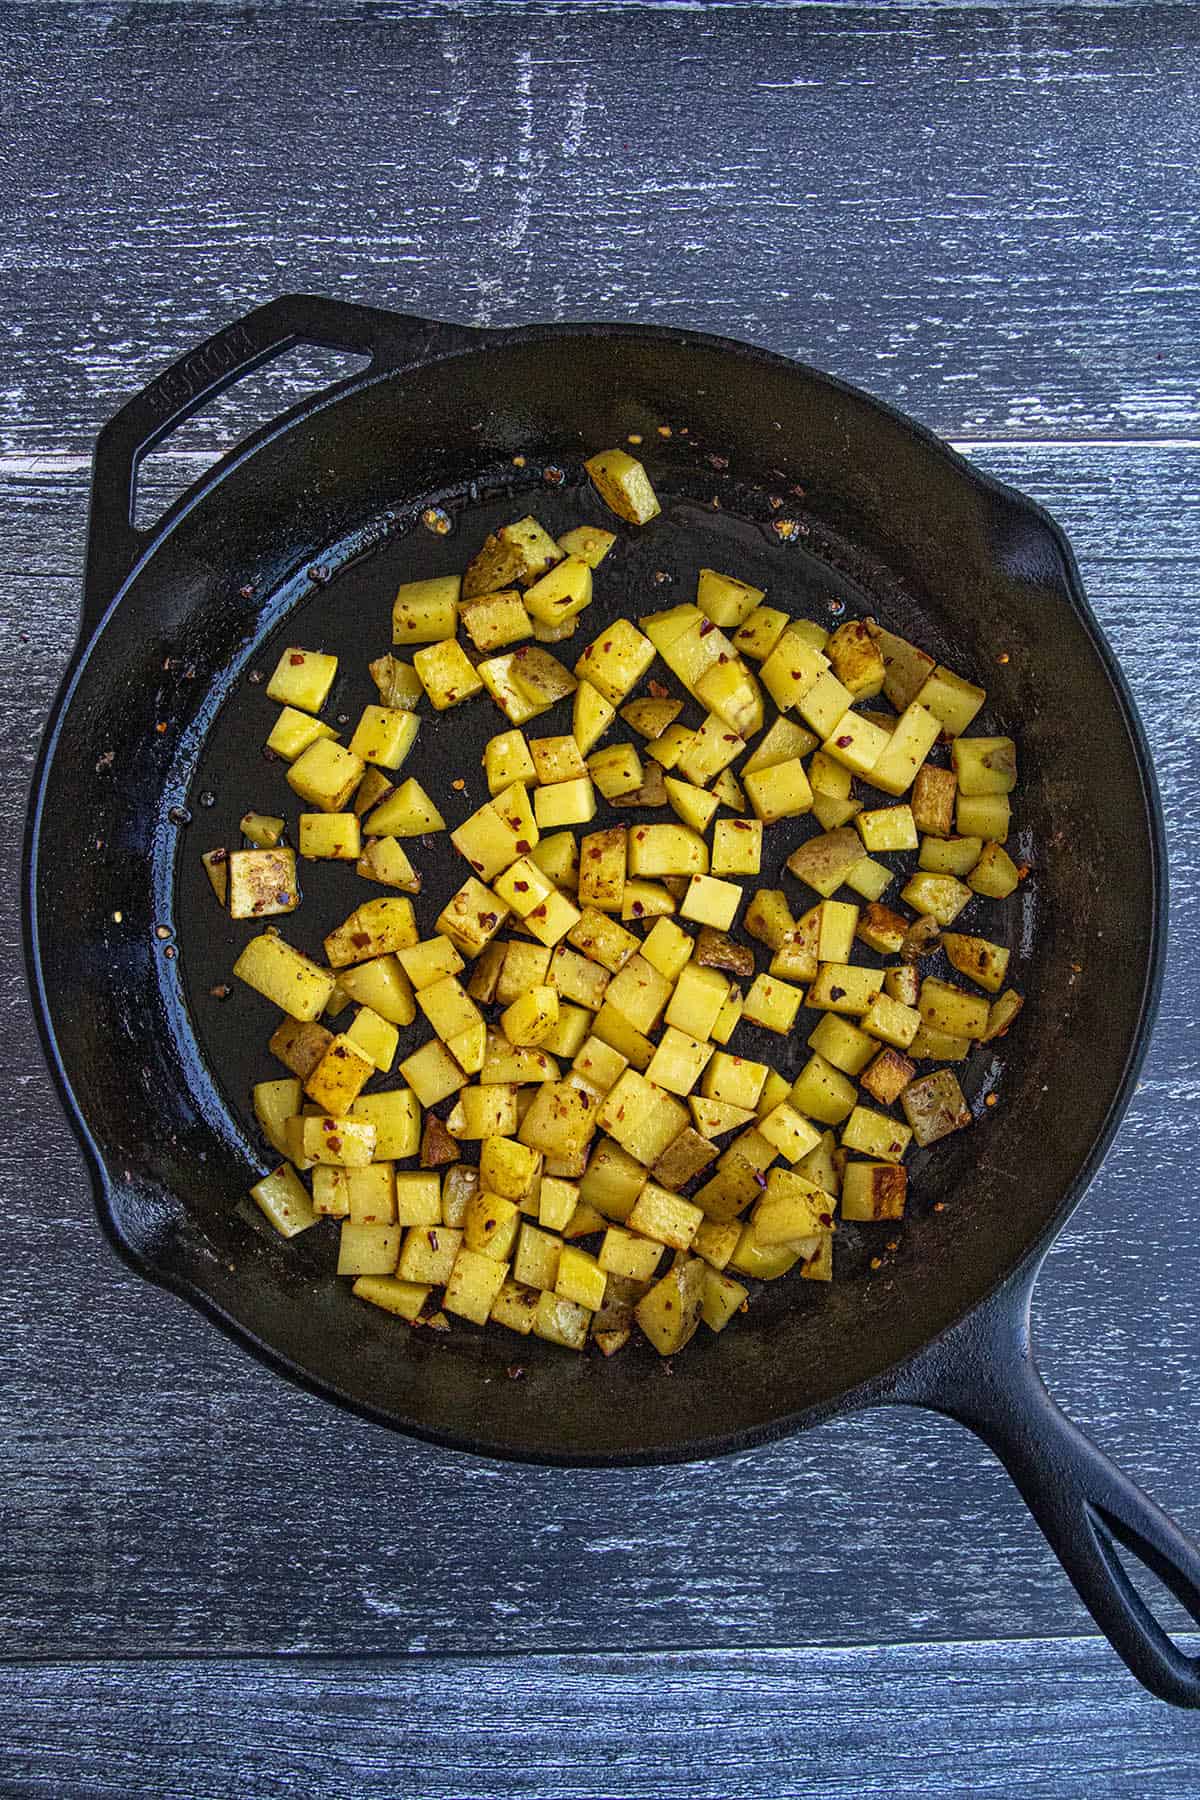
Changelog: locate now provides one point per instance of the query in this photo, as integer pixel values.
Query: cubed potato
(845, 988)
(933, 796)
(882, 930)
(397, 682)
(275, 1102)
(759, 632)
(716, 1242)
(792, 1209)
(588, 541)
(498, 677)
(368, 1249)
(975, 957)
(385, 860)
(432, 1073)
(558, 857)
(779, 792)
(406, 812)
(822, 1092)
(395, 1117)
(952, 701)
(792, 670)
(447, 675)
(708, 751)
(531, 1018)
(873, 1191)
(857, 659)
(940, 897)
(492, 621)
(263, 830)
(591, 716)
(384, 735)
(886, 1078)
(669, 1315)
(668, 947)
(428, 1254)
(695, 651)
(946, 1007)
(729, 1017)
(735, 1079)
(635, 1258)
(560, 1321)
(283, 1200)
(262, 883)
(405, 1299)
(580, 1279)
(670, 746)
(932, 1045)
(602, 940)
(724, 599)
(560, 1122)
(664, 1217)
(472, 917)
(656, 850)
(951, 855)
(796, 958)
(641, 1117)
(737, 847)
(984, 765)
(824, 703)
(602, 869)
(678, 1061)
(709, 901)
(523, 966)
(891, 1022)
(830, 813)
(294, 731)
(564, 803)
(874, 1134)
(576, 978)
(729, 690)
(326, 775)
(567, 1037)
(474, 1286)
(599, 1064)
(624, 486)
(824, 862)
(906, 668)
(524, 888)
(507, 760)
(695, 806)
(302, 679)
(789, 1132)
(613, 1028)
(647, 900)
(1001, 1014)
(903, 983)
(375, 928)
(484, 1111)
(447, 1007)
(537, 1258)
(415, 1197)
(491, 1224)
(715, 1117)
(650, 718)
(424, 612)
(887, 828)
(697, 1001)
(857, 742)
(987, 816)
(613, 1180)
(912, 738)
(616, 660)
(426, 962)
(843, 1044)
(562, 592)
(374, 1037)
(298, 986)
(349, 1142)
(335, 837)
(773, 1003)
(869, 878)
(838, 923)
(994, 875)
(640, 993)
(767, 1262)
(769, 917)
(518, 553)
(514, 1307)
(557, 759)
(556, 1203)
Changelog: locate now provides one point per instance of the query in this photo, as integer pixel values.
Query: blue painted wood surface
(985, 214)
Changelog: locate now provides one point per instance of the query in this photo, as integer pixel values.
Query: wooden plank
(987, 215)
(945, 1722)
(160, 1492)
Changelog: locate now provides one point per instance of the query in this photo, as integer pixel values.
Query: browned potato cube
(935, 1106)
(300, 1046)
(873, 1191)
(262, 882)
(933, 796)
(887, 1077)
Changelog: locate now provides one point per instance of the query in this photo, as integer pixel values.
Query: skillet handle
(114, 544)
(984, 1375)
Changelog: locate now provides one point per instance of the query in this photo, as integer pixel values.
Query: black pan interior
(161, 749)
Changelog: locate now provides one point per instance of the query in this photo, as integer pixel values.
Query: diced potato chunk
(424, 612)
(334, 837)
(615, 661)
(995, 874)
(655, 850)
(669, 1314)
(373, 929)
(874, 1134)
(326, 775)
(384, 735)
(822, 1092)
(302, 679)
(940, 897)
(623, 485)
(953, 701)
(294, 731)
(298, 986)
(873, 1191)
(407, 812)
(520, 552)
(283, 1199)
(773, 1003)
(262, 883)
(396, 1119)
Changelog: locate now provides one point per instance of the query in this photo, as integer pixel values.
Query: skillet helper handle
(1084, 1503)
(115, 544)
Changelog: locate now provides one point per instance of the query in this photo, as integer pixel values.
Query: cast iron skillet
(315, 512)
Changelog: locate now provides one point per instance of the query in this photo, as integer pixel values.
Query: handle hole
(183, 456)
(1164, 1607)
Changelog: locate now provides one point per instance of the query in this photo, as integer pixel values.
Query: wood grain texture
(159, 1491)
(987, 215)
(951, 1723)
